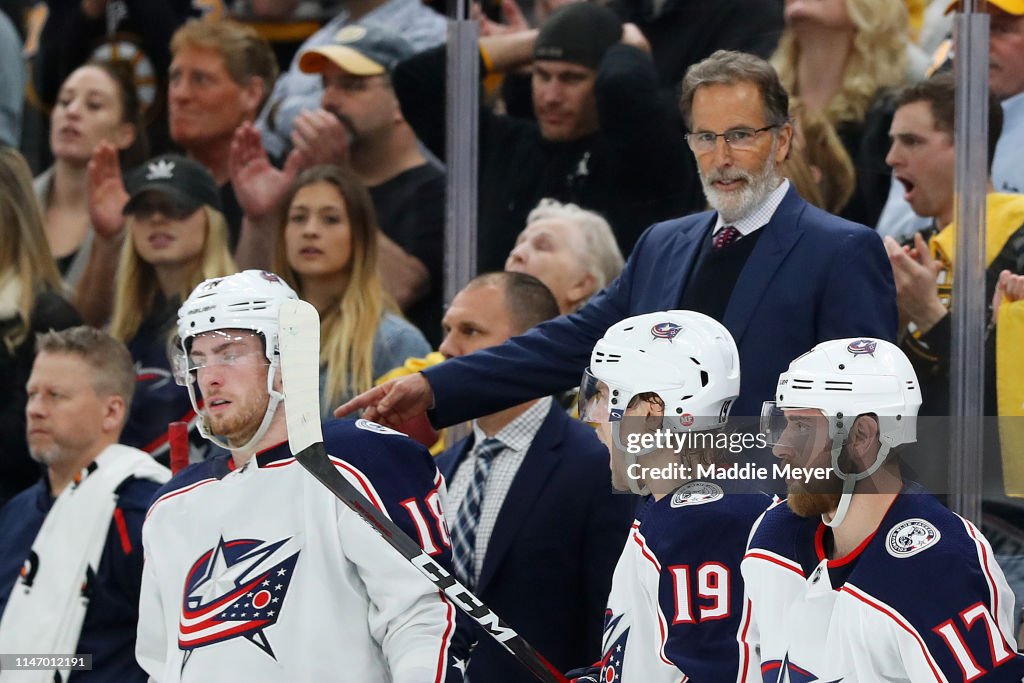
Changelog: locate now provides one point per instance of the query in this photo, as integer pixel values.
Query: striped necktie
(464, 531)
(725, 237)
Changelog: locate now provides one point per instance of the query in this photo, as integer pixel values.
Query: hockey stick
(300, 373)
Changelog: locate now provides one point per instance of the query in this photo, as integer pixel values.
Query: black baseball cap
(185, 181)
(580, 32)
(366, 49)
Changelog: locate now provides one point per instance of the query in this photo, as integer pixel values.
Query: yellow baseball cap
(360, 49)
(1008, 6)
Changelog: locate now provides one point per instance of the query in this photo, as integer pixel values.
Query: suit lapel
(533, 474)
(780, 234)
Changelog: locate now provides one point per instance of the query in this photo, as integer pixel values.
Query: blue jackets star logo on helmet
(666, 331)
(862, 347)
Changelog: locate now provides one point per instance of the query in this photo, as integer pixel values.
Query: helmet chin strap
(274, 398)
(631, 459)
(850, 479)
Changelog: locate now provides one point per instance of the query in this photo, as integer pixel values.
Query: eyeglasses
(704, 141)
(146, 207)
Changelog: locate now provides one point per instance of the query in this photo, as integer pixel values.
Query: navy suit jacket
(811, 277)
(550, 559)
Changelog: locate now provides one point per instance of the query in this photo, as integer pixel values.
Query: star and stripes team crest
(611, 665)
(235, 590)
(666, 331)
(785, 671)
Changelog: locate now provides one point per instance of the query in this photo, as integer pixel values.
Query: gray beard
(732, 206)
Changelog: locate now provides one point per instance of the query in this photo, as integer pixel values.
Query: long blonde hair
(24, 252)
(877, 58)
(137, 286)
(349, 325)
(818, 148)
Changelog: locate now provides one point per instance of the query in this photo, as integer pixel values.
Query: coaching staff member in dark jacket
(779, 273)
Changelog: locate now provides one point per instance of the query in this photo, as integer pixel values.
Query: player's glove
(589, 674)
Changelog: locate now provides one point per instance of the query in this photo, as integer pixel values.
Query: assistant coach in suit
(779, 273)
(535, 525)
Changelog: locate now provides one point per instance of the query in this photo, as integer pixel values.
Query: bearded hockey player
(256, 572)
(676, 605)
(863, 576)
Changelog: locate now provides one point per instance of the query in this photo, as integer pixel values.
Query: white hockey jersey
(919, 600)
(259, 574)
(676, 606)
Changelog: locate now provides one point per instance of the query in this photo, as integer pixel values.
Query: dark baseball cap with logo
(366, 49)
(186, 182)
(580, 32)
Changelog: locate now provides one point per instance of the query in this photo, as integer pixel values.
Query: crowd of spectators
(168, 146)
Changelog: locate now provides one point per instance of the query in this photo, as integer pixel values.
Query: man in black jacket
(604, 138)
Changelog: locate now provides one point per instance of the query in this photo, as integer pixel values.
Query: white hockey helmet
(846, 378)
(689, 359)
(245, 301)
(248, 300)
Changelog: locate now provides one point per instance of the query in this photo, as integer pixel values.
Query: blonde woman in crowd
(97, 103)
(818, 165)
(175, 237)
(30, 302)
(837, 56)
(571, 250)
(327, 251)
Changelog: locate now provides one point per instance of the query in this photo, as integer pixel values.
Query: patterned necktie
(464, 531)
(725, 237)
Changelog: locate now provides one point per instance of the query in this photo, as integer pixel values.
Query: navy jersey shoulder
(781, 530)
(933, 569)
(135, 495)
(398, 468)
(927, 562)
(702, 519)
(387, 457)
(216, 467)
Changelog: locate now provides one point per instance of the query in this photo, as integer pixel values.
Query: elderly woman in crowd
(571, 250)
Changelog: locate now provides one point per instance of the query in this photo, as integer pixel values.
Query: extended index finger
(367, 399)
